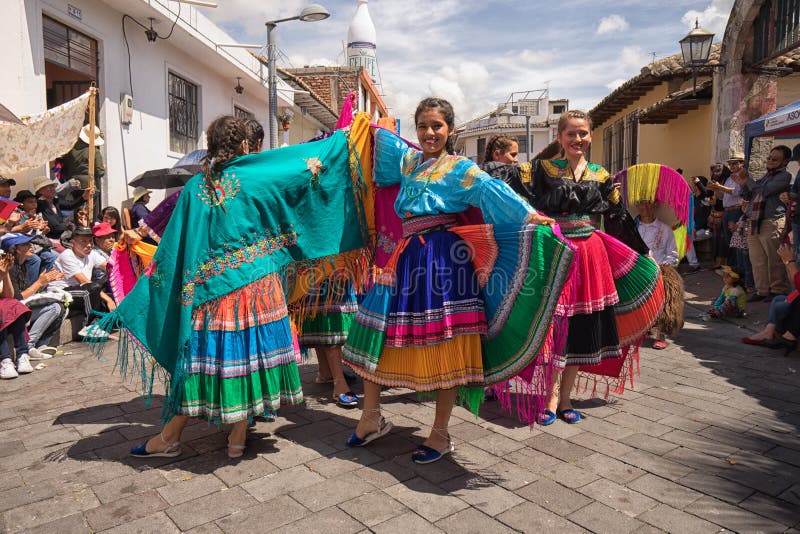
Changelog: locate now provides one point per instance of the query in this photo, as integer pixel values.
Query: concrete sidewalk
(706, 441)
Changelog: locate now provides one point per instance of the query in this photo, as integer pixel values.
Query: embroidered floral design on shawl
(315, 166)
(226, 187)
(233, 258)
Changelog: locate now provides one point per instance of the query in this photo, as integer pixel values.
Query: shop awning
(783, 122)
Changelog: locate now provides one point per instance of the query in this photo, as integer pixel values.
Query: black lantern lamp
(696, 49)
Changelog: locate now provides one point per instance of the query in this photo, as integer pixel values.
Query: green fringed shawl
(270, 210)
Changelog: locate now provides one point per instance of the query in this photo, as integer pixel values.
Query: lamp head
(151, 34)
(696, 46)
(239, 89)
(313, 13)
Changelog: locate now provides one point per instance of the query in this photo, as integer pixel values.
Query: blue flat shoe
(140, 451)
(547, 418)
(570, 416)
(428, 455)
(348, 399)
(384, 427)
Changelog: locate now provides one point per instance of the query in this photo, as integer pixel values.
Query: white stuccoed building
(53, 49)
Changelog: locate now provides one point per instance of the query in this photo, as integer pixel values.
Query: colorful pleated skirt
(327, 320)
(459, 306)
(616, 298)
(242, 359)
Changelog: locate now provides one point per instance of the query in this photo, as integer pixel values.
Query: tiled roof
(650, 76)
(677, 103)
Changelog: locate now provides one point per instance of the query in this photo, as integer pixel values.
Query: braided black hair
(224, 138)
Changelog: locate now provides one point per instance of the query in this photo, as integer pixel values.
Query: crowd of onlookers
(54, 258)
(753, 226)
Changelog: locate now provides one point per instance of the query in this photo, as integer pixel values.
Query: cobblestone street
(706, 441)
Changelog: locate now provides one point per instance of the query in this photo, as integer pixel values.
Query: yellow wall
(683, 143)
(788, 90)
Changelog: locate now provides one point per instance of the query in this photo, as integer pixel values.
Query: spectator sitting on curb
(732, 299)
(47, 308)
(34, 225)
(14, 316)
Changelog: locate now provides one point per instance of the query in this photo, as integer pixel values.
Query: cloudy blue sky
(476, 52)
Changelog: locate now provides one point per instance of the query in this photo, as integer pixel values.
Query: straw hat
(98, 136)
(737, 156)
(139, 192)
(40, 182)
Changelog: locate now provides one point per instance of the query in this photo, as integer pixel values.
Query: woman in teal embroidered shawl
(211, 306)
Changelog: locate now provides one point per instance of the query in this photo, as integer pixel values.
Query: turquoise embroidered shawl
(270, 210)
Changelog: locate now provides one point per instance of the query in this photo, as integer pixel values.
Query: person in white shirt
(657, 235)
(77, 264)
(660, 239)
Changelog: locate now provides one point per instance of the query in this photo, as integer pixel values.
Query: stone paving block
(566, 474)
(125, 510)
(665, 491)
(7, 448)
(601, 519)
(510, 428)
(427, 500)
(610, 468)
(529, 517)
(699, 443)
(384, 474)
(73, 524)
(27, 494)
(214, 506)
(650, 444)
(301, 434)
(602, 427)
(471, 521)
(9, 481)
(669, 519)
(698, 460)
(784, 512)
(656, 464)
(638, 424)
(786, 455)
(408, 523)
(496, 444)
(618, 497)
(553, 496)
(190, 487)
(509, 476)
(742, 440)
(151, 524)
(264, 517)
(597, 443)
(482, 494)
(561, 449)
(129, 485)
(771, 477)
(328, 520)
(640, 410)
(439, 471)
(290, 454)
(468, 431)
(282, 482)
(726, 490)
(42, 512)
(473, 458)
(343, 461)
(208, 528)
(237, 472)
(565, 430)
(331, 492)
(732, 517)
(665, 405)
(682, 423)
(373, 508)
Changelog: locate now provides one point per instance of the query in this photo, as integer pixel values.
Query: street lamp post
(696, 49)
(312, 13)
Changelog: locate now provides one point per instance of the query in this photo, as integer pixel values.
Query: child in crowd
(732, 299)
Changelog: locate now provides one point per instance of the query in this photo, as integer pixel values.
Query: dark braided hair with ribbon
(224, 139)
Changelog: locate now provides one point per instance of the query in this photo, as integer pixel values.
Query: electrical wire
(128, 46)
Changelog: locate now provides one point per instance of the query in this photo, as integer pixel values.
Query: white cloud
(612, 23)
(633, 56)
(537, 57)
(714, 18)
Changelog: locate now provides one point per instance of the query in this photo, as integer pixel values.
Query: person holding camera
(767, 222)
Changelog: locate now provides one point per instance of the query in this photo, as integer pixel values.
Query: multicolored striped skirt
(242, 360)
(327, 321)
(459, 306)
(617, 297)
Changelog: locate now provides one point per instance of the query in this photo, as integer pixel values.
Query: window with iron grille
(522, 144)
(776, 29)
(182, 114)
(241, 113)
(69, 48)
(619, 146)
(630, 155)
(608, 146)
